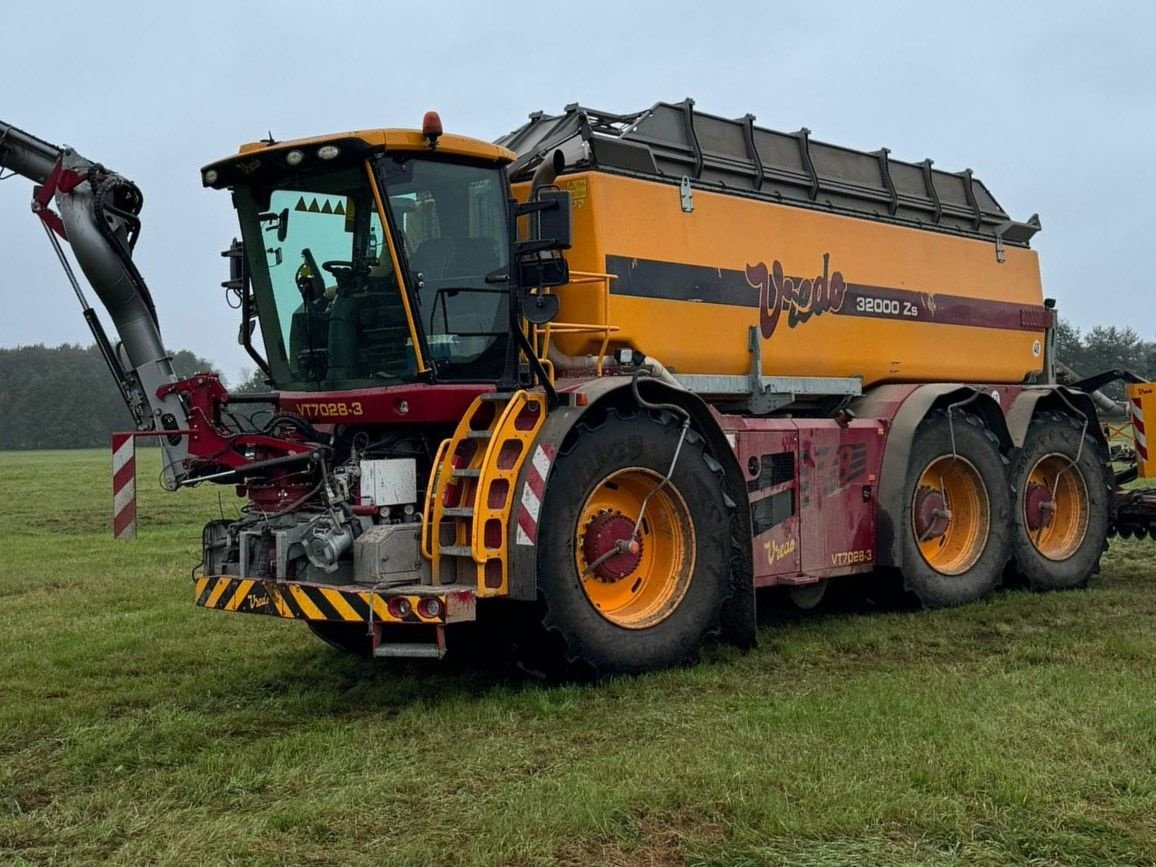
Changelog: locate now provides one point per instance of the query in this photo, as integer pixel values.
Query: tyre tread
(559, 648)
(1042, 576)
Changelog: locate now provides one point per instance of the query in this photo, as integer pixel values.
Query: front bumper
(300, 600)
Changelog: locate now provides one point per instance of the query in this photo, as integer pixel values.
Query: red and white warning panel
(123, 486)
(1142, 408)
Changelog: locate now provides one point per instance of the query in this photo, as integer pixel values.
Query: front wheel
(623, 601)
(1062, 491)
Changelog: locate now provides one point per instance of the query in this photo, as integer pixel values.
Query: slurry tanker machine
(604, 378)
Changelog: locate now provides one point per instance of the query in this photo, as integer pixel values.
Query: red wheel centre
(1038, 506)
(931, 519)
(602, 534)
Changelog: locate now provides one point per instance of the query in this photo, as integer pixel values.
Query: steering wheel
(333, 266)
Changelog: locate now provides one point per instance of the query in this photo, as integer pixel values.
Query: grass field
(135, 727)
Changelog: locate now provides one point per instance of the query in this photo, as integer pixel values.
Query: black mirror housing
(554, 218)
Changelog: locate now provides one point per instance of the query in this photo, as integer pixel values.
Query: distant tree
(185, 364)
(62, 397)
(1108, 347)
(253, 381)
(1102, 348)
(1070, 346)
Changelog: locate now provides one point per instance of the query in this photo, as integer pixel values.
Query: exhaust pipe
(547, 171)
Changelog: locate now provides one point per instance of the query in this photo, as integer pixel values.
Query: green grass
(137, 728)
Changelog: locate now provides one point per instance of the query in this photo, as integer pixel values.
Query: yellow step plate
(300, 600)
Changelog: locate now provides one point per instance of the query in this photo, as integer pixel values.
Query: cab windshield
(327, 297)
(451, 223)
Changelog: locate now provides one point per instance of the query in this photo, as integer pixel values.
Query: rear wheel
(625, 602)
(955, 521)
(1061, 489)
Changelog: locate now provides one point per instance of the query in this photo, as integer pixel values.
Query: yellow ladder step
(457, 550)
(494, 438)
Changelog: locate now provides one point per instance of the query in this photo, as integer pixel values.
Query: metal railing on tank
(543, 334)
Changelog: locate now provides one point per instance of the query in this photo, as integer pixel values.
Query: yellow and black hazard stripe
(296, 600)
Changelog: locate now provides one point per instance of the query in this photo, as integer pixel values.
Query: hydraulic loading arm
(97, 213)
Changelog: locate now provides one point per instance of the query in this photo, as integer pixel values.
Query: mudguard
(595, 395)
(904, 407)
(1069, 401)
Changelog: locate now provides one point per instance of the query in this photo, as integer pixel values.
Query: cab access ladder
(470, 498)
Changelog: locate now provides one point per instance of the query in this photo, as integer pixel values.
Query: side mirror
(245, 332)
(279, 223)
(540, 309)
(540, 261)
(554, 218)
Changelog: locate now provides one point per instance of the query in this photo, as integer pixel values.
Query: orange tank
(840, 263)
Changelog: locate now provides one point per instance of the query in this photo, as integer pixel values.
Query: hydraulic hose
(673, 408)
(301, 425)
(589, 364)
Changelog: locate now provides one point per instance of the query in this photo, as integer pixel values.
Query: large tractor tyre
(351, 638)
(955, 516)
(1062, 490)
(648, 605)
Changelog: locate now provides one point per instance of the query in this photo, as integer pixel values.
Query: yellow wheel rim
(951, 515)
(1055, 507)
(635, 585)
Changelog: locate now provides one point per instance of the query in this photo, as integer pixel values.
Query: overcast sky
(1053, 104)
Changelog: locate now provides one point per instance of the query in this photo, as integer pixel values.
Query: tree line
(62, 397)
(1105, 347)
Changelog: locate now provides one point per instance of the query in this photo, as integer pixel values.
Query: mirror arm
(538, 246)
(239, 282)
(536, 365)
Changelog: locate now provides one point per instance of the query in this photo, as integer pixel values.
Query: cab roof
(256, 158)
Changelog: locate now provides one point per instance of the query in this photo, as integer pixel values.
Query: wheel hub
(932, 516)
(1039, 507)
(603, 535)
